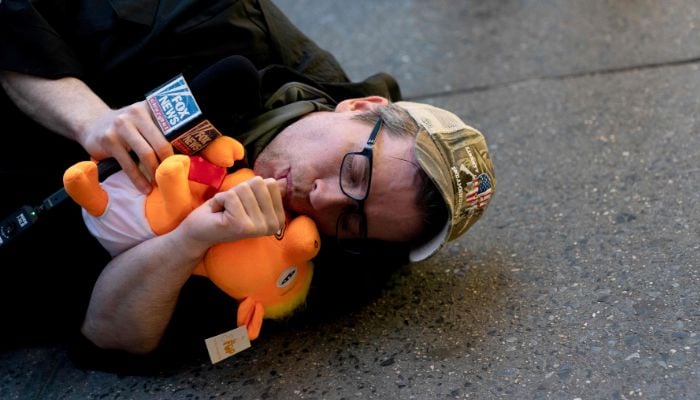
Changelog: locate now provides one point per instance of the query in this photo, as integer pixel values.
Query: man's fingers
(135, 130)
(132, 170)
(150, 132)
(276, 197)
(269, 201)
(260, 206)
(245, 191)
(144, 138)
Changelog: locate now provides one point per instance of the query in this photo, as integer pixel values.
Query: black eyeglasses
(355, 179)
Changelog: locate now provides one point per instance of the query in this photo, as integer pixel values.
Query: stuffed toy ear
(251, 314)
(223, 151)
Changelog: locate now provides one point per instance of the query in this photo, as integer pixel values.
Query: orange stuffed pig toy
(269, 276)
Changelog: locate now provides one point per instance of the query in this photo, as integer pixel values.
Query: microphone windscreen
(227, 92)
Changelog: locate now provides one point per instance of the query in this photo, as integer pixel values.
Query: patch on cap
(455, 157)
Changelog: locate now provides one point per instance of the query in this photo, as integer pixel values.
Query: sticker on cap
(474, 188)
(478, 198)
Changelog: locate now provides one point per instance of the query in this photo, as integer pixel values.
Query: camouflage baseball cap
(456, 158)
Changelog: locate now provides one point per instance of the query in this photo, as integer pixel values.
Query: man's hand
(70, 108)
(250, 209)
(116, 132)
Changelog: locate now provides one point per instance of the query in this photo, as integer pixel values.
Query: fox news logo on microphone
(173, 105)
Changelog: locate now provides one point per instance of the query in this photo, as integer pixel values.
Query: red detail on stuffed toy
(206, 173)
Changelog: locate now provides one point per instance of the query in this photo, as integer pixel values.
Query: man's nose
(326, 195)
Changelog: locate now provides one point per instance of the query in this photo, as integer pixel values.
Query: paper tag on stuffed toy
(223, 346)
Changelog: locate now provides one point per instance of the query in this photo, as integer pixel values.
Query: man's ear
(361, 103)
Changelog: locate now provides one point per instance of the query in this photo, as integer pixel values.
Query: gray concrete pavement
(582, 281)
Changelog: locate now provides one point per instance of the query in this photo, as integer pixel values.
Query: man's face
(305, 159)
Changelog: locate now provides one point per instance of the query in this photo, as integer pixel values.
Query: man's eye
(349, 173)
(349, 170)
(357, 171)
(354, 178)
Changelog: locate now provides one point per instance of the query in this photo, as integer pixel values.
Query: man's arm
(69, 107)
(135, 296)
(66, 105)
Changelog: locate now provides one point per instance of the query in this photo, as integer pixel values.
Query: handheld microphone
(190, 117)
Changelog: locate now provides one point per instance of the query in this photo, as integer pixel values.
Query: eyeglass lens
(355, 175)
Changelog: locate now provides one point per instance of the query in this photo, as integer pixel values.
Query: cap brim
(427, 249)
(432, 161)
